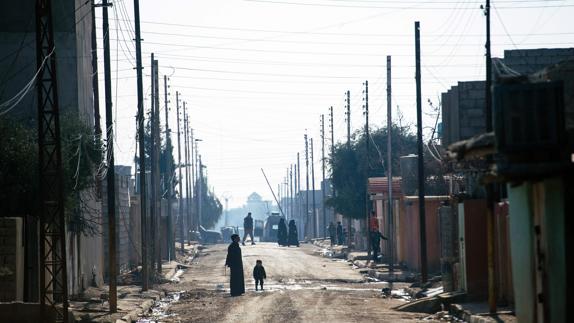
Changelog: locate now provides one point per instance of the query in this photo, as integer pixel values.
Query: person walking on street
(340, 236)
(332, 233)
(282, 233)
(235, 263)
(259, 274)
(293, 235)
(248, 228)
(375, 236)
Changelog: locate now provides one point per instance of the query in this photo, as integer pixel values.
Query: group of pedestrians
(336, 234)
(287, 237)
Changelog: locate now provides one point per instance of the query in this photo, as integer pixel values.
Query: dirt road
(300, 287)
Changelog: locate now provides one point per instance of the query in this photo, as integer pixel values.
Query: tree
(81, 160)
(351, 167)
(211, 207)
(166, 156)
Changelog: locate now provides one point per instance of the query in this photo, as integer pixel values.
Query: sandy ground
(300, 287)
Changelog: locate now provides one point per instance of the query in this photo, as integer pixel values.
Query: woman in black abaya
(235, 264)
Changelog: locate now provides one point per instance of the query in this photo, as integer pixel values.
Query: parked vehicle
(258, 229)
(226, 233)
(271, 227)
(209, 236)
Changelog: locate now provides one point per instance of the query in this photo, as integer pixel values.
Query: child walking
(259, 274)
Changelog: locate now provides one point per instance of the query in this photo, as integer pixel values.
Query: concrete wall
(527, 61)
(72, 33)
(463, 111)
(11, 260)
(124, 231)
(463, 105)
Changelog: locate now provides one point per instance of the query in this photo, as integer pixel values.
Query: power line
(396, 7)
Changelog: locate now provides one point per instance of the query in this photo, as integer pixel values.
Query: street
(300, 287)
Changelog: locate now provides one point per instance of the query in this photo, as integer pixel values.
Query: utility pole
(200, 195)
(421, 174)
(307, 186)
(296, 189)
(197, 185)
(189, 182)
(313, 187)
(367, 137)
(168, 177)
(187, 175)
(279, 195)
(180, 219)
(348, 119)
(331, 121)
(300, 200)
(53, 268)
(192, 184)
(157, 148)
(95, 82)
(156, 181)
(490, 186)
(390, 219)
(141, 137)
(291, 190)
(110, 174)
(153, 182)
(323, 196)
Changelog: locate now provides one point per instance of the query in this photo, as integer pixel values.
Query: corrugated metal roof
(380, 185)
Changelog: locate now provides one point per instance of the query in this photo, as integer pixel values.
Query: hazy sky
(256, 74)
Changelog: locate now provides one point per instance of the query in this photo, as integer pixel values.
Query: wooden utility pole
(157, 148)
(390, 220)
(297, 206)
(153, 177)
(180, 213)
(141, 139)
(367, 139)
(421, 174)
(168, 177)
(332, 128)
(156, 193)
(198, 184)
(307, 186)
(110, 174)
(187, 226)
(348, 119)
(200, 194)
(193, 193)
(323, 196)
(291, 191)
(490, 199)
(314, 208)
(95, 82)
(299, 191)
